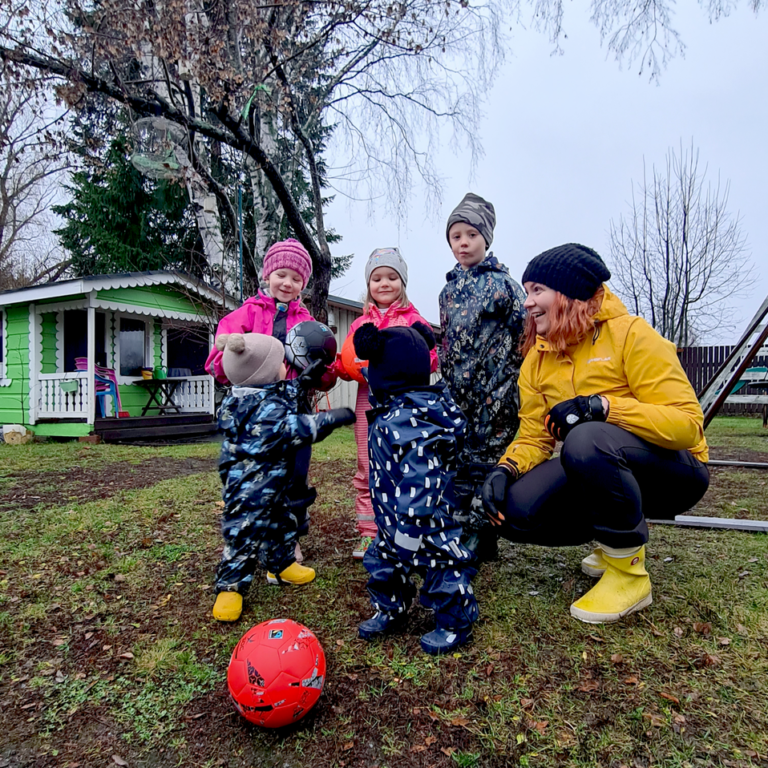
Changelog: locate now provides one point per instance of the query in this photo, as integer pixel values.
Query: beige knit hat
(250, 359)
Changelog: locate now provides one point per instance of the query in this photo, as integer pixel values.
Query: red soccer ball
(276, 673)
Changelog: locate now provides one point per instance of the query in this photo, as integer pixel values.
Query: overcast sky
(565, 137)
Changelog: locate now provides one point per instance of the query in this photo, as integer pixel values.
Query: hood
(611, 307)
(489, 264)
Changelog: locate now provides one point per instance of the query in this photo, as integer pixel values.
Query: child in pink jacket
(387, 306)
(273, 311)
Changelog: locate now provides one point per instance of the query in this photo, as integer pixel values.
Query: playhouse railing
(62, 395)
(195, 395)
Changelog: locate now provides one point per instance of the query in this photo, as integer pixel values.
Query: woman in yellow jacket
(612, 389)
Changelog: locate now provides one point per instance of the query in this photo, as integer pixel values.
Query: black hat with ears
(398, 358)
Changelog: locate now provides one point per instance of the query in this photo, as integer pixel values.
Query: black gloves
(495, 490)
(310, 377)
(566, 415)
(340, 417)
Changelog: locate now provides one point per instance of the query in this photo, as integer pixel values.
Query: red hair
(570, 321)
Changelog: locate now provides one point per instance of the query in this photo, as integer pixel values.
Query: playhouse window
(187, 348)
(133, 346)
(76, 338)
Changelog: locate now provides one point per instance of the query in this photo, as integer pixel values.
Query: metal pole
(240, 231)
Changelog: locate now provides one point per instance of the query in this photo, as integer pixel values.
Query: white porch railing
(195, 395)
(54, 402)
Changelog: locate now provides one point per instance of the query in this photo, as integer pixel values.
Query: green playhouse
(108, 354)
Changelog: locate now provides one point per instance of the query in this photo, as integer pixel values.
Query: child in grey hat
(482, 317)
(263, 434)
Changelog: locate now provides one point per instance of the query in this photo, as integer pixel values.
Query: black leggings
(602, 486)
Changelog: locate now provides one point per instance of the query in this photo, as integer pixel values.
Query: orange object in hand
(351, 362)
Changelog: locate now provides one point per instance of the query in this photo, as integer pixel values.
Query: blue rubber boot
(445, 640)
(380, 624)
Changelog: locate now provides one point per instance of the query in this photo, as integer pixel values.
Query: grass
(107, 646)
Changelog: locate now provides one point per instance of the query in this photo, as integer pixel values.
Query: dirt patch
(82, 484)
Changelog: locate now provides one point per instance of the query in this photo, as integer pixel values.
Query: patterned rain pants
(444, 563)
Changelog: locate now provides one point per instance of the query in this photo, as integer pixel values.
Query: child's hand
(311, 375)
(341, 416)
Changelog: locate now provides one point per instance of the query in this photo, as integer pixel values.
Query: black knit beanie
(398, 358)
(476, 212)
(574, 270)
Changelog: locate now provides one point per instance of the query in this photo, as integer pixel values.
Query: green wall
(14, 398)
(155, 297)
(49, 342)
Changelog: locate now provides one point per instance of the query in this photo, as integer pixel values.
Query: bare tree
(679, 257)
(30, 160)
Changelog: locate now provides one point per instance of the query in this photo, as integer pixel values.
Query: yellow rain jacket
(627, 361)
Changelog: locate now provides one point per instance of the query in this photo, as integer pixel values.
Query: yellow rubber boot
(594, 564)
(624, 588)
(293, 574)
(228, 606)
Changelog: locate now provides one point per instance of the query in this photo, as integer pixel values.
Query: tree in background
(30, 162)
(679, 257)
(119, 221)
(248, 76)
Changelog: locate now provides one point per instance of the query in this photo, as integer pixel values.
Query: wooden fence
(702, 363)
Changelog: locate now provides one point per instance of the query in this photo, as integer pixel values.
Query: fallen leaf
(60, 676)
(744, 573)
(654, 719)
(724, 640)
(631, 680)
(526, 703)
(596, 639)
(460, 721)
(702, 627)
(588, 686)
(120, 577)
(119, 760)
(669, 697)
(488, 670)
(741, 629)
(447, 750)
(59, 641)
(430, 740)
(617, 658)
(88, 635)
(678, 631)
(340, 643)
(105, 647)
(679, 719)
(220, 504)
(541, 725)
(349, 745)
(418, 748)
(752, 560)
(126, 655)
(195, 717)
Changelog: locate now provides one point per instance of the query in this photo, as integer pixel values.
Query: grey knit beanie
(475, 211)
(250, 359)
(387, 257)
(574, 270)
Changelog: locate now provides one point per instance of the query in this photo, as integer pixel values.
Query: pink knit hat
(290, 254)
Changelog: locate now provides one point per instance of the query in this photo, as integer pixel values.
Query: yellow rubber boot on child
(228, 606)
(293, 574)
(624, 588)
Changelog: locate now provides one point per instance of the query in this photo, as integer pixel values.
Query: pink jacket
(257, 315)
(390, 318)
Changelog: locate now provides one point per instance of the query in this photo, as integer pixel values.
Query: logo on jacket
(598, 359)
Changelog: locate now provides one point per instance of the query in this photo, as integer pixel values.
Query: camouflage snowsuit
(482, 317)
(263, 435)
(413, 444)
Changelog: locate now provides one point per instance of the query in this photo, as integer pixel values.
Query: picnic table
(161, 393)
